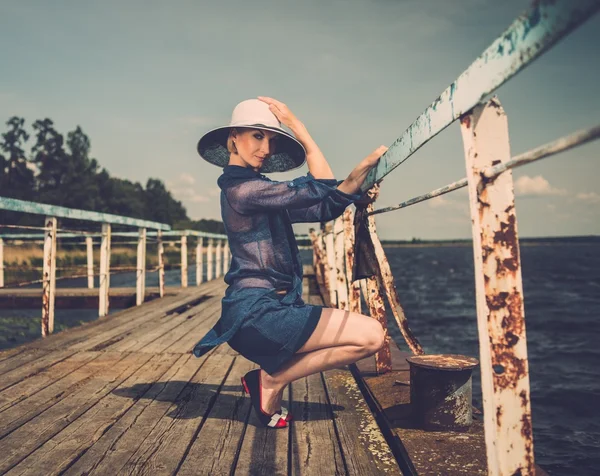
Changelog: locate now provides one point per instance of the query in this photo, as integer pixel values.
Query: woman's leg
(340, 338)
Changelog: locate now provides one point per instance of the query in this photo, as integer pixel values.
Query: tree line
(60, 171)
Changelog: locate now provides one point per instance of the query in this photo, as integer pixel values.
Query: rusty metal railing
(499, 290)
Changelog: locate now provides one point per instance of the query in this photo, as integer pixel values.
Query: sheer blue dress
(266, 327)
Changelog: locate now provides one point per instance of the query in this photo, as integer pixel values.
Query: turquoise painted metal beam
(530, 35)
(23, 206)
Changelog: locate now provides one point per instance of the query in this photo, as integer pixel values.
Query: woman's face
(254, 146)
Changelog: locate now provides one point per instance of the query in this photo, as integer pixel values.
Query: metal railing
(499, 291)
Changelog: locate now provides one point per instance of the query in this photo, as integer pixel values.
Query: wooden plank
(23, 440)
(198, 321)
(167, 443)
(112, 451)
(365, 450)
(29, 386)
(315, 447)
(264, 450)
(59, 452)
(215, 449)
(44, 360)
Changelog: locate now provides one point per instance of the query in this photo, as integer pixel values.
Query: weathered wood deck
(124, 395)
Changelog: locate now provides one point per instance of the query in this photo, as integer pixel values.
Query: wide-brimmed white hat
(252, 113)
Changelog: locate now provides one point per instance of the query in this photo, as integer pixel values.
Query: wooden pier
(124, 395)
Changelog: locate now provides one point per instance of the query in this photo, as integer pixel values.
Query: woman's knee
(373, 337)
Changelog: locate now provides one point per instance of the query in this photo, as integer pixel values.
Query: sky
(145, 79)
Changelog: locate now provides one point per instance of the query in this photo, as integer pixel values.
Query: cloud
(591, 197)
(537, 186)
(439, 202)
(187, 178)
(183, 189)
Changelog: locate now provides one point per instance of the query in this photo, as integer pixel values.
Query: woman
(263, 315)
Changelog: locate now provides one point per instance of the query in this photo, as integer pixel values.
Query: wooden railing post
(140, 283)
(1, 263)
(340, 260)
(199, 244)
(49, 277)
(353, 288)
(104, 278)
(184, 262)
(209, 260)
(500, 310)
(330, 257)
(219, 260)
(89, 245)
(161, 263)
(225, 257)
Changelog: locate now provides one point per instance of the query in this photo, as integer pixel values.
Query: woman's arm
(317, 164)
(357, 177)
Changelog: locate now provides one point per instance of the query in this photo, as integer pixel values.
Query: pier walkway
(124, 395)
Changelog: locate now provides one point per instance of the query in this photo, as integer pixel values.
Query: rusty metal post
(104, 276)
(500, 310)
(218, 261)
(89, 245)
(441, 390)
(1, 263)
(387, 281)
(374, 298)
(209, 260)
(340, 255)
(184, 262)
(199, 244)
(49, 277)
(161, 263)
(353, 288)
(320, 266)
(330, 262)
(140, 283)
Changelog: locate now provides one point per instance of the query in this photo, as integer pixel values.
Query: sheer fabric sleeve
(300, 194)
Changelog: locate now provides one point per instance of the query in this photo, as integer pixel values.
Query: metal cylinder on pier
(441, 390)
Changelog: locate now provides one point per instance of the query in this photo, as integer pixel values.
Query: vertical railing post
(219, 260)
(140, 284)
(209, 260)
(1, 263)
(89, 246)
(500, 309)
(161, 263)
(353, 288)
(340, 260)
(330, 256)
(225, 257)
(199, 244)
(49, 277)
(104, 278)
(184, 262)
(319, 262)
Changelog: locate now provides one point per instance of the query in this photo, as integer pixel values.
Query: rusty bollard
(441, 391)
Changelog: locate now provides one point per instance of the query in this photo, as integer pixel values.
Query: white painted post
(104, 278)
(161, 263)
(340, 259)
(225, 257)
(500, 309)
(330, 254)
(49, 277)
(1, 263)
(184, 262)
(353, 288)
(199, 244)
(90, 261)
(209, 260)
(140, 282)
(218, 264)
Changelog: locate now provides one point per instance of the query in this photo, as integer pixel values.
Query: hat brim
(289, 153)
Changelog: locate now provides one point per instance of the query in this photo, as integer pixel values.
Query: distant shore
(539, 241)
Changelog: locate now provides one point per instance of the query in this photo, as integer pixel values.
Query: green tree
(161, 206)
(16, 175)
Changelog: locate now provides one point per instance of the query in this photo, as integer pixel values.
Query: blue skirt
(273, 332)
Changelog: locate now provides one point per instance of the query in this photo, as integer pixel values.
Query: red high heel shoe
(252, 386)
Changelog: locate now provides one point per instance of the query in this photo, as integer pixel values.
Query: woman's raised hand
(372, 159)
(281, 111)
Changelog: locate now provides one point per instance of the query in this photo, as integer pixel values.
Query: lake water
(436, 288)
